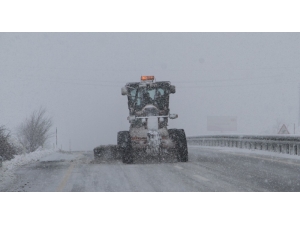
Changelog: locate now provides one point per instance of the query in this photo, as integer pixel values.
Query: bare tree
(7, 149)
(34, 132)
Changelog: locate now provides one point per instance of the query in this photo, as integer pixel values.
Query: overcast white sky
(78, 78)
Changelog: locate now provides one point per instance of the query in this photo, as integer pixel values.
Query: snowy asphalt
(208, 170)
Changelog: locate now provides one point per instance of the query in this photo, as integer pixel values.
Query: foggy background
(78, 77)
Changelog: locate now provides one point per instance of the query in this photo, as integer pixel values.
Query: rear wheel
(179, 138)
(124, 146)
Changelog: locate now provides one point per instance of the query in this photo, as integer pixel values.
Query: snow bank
(6, 171)
(23, 159)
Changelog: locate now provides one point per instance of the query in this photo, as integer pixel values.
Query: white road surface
(209, 169)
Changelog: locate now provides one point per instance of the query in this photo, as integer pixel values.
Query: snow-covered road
(208, 169)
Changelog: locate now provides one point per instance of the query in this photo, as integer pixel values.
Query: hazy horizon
(78, 77)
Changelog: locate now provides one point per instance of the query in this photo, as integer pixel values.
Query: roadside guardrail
(274, 143)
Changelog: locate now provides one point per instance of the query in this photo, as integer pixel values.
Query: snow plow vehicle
(148, 104)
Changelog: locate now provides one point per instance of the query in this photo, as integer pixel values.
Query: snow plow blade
(106, 152)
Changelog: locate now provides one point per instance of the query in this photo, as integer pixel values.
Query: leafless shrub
(34, 132)
(7, 150)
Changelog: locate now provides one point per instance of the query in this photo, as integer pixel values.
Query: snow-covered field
(249, 151)
(8, 167)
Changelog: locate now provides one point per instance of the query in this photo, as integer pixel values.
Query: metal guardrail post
(291, 149)
(295, 149)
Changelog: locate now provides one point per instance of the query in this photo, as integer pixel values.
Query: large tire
(124, 146)
(178, 136)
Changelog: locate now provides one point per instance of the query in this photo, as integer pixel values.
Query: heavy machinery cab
(156, 94)
(148, 98)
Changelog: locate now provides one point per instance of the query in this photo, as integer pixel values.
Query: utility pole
(56, 137)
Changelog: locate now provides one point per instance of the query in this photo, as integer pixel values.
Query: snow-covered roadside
(6, 171)
(249, 151)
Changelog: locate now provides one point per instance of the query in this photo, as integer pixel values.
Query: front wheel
(179, 138)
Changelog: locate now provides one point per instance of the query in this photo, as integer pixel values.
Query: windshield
(142, 96)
